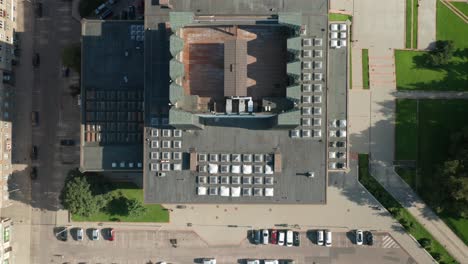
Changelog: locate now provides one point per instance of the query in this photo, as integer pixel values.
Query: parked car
(359, 237)
(100, 9)
(274, 236)
(95, 234)
(79, 234)
(281, 237)
(67, 142)
(111, 234)
(265, 236)
(34, 153)
(256, 236)
(253, 261)
(320, 237)
(369, 238)
(33, 173)
(36, 60)
(62, 234)
(328, 238)
(209, 261)
(106, 14)
(296, 239)
(271, 261)
(289, 238)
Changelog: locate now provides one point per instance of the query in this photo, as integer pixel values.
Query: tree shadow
(118, 206)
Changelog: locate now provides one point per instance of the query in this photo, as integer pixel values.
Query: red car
(111, 234)
(273, 236)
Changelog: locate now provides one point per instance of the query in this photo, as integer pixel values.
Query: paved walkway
(431, 95)
(426, 24)
(356, 60)
(398, 188)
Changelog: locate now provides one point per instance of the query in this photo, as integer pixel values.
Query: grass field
(424, 136)
(462, 6)
(411, 225)
(365, 68)
(415, 24)
(339, 17)
(154, 212)
(411, 24)
(413, 74)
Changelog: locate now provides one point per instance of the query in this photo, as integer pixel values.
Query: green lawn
(339, 17)
(411, 225)
(426, 138)
(408, 21)
(415, 24)
(365, 68)
(462, 6)
(154, 212)
(413, 74)
(411, 23)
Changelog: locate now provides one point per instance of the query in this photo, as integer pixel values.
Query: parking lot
(143, 246)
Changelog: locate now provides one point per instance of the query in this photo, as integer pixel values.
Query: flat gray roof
(299, 156)
(112, 95)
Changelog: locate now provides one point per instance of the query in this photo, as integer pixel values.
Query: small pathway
(391, 181)
(431, 95)
(426, 24)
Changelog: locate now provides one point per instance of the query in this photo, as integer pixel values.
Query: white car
(359, 237)
(332, 165)
(281, 238)
(95, 234)
(320, 237)
(341, 133)
(265, 236)
(209, 261)
(253, 261)
(289, 238)
(332, 155)
(79, 234)
(328, 238)
(271, 261)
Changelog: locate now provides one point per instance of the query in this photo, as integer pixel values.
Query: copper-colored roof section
(235, 67)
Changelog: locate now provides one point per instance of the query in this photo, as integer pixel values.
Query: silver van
(328, 238)
(320, 237)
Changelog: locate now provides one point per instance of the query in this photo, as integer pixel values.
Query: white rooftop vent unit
(305, 121)
(307, 87)
(306, 99)
(269, 180)
(307, 53)
(317, 110)
(177, 155)
(317, 99)
(177, 133)
(201, 190)
(334, 27)
(139, 164)
(295, 133)
(247, 169)
(317, 87)
(154, 132)
(307, 65)
(213, 168)
(154, 155)
(225, 157)
(342, 35)
(202, 157)
(258, 158)
(306, 76)
(224, 168)
(166, 155)
(202, 179)
(203, 168)
(250, 106)
(114, 164)
(177, 166)
(235, 191)
(342, 43)
(318, 53)
(334, 43)
(177, 144)
(214, 157)
(213, 191)
(236, 157)
(166, 144)
(318, 65)
(246, 191)
(122, 164)
(165, 166)
(213, 179)
(225, 180)
(307, 42)
(318, 42)
(306, 133)
(258, 180)
(334, 35)
(317, 133)
(258, 169)
(258, 192)
(268, 169)
(166, 133)
(246, 180)
(247, 157)
(317, 122)
(303, 30)
(306, 110)
(224, 191)
(236, 169)
(154, 144)
(269, 192)
(318, 76)
(235, 180)
(343, 27)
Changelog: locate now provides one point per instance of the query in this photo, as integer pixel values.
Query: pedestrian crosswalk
(389, 242)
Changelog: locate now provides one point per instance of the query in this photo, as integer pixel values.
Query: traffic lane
(140, 246)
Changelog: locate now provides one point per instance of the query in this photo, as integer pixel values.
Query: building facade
(5, 238)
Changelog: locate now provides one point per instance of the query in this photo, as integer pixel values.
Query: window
(6, 234)
(1, 24)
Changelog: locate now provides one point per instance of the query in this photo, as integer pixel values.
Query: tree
(441, 54)
(71, 57)
(425, 242)
(135, 207)
(78, 199)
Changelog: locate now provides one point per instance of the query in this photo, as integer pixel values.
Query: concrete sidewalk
(431, 95)
(401, 191)
(426, 24)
